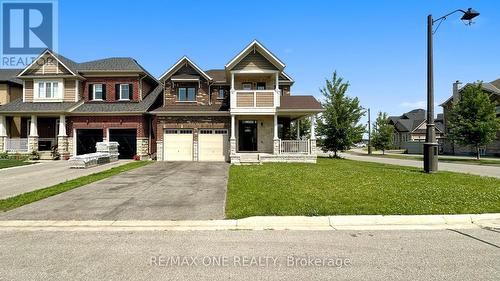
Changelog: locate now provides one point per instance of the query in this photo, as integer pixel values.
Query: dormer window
(124, 92)
(97, 92)
(186, 94)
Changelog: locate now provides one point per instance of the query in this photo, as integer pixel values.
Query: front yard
(346, 187)
(7, 163)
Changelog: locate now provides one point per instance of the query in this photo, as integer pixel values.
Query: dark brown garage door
(86, 140)
(127, 139)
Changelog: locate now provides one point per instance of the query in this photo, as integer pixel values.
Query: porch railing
(294, 146)
(16, 145)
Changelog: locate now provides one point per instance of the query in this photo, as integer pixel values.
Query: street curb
(363, 222)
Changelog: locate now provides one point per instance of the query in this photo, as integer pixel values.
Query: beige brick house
(240, 113)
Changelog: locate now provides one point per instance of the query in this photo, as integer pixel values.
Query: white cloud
(417, 104)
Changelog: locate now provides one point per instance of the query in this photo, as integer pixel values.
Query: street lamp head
(470, 14)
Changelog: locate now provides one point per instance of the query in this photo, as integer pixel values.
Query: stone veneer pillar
(62, 138)
(143, 148)
(159, 150)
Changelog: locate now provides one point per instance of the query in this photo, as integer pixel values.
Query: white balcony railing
(294, 147)
(255, 98)
(16, 145)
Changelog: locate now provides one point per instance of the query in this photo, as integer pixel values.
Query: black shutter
(103, 91)
(117, 91)
(130, 91)
(91, 90)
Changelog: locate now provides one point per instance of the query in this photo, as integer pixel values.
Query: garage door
(178, 145)
(212, 145)
(86, 140)
(127, 140)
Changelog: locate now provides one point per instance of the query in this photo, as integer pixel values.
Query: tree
(339, 124)
(304, 128)
(473, 118)
(382, 133)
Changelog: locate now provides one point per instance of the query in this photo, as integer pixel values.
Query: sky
(378, 46)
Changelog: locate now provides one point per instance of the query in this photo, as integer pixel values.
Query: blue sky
(379, 46)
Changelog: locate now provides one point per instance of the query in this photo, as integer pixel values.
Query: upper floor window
(261, 85)
(98, 92)
(221, 94)
(124, 92)
(186, 94)
(247, 86)
(48, 90)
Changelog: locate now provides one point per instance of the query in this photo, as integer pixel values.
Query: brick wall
(105, 122)
(110, 87)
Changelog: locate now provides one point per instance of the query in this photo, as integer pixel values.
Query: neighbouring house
(11, 88)
(240, 113)
(67, 107)
(493, 89)
(410, 130)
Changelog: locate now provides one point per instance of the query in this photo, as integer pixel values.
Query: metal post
(430, 145)
(369, 133)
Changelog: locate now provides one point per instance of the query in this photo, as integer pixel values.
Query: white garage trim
(213, 145)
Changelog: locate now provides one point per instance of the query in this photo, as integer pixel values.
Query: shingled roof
(300, 103)
(18, 106)
(10, 76)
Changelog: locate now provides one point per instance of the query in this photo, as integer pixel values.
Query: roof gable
(184, 63)
(51, 64)
(256, 47)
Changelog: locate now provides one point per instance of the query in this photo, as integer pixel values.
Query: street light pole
(431, 145)
(369, 133)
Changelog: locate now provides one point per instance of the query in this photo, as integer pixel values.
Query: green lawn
(7, 163)
(32, 196)
(346, 187)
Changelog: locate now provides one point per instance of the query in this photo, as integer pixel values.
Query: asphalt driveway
(159, 191)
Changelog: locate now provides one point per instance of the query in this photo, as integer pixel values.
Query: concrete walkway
(18, 180)
(480, 170)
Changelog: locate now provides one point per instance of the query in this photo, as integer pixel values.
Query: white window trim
(122, 99)
(93, 92)
(188, 101)
(59, 95)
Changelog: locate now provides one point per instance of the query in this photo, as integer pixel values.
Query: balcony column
(3, 133)
(62, 138)
(276, 140)
(277, 94)
(33, 134)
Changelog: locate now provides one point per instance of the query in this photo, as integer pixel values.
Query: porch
(272, 138)
(25, 134)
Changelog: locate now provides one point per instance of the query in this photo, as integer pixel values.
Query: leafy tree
(339, 124)
(473, 118)
(382, 133)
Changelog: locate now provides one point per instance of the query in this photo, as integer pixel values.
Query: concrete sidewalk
(480, 170)
(18, 180)
(365, 222)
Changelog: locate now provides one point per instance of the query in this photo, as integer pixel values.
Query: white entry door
(212, 145)
(178, 145)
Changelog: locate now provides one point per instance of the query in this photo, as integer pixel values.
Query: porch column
(33, 135)
(312, 145)
(298, 129)
(62, 138)
(276, 140)
(233, 135)
(3, 133)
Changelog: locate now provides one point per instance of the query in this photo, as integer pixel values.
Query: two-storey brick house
(239, 114)
(70, 106)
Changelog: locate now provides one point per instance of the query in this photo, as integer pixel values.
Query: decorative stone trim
(276, 146)
(62, 146)
(2, 143)
(32, 143)
(70, 146)
(159, 150)
(143, 148)
(195, 150)
(232, 145)
(235, 159)
(288, 158)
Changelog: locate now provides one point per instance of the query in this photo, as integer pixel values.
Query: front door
(247, 135)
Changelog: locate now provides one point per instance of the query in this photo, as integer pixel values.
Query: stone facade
(32, 144)
(2, 143)
(143, 148)
(62, 146)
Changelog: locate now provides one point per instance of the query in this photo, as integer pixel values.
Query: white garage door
(178, 145)
(212, 145)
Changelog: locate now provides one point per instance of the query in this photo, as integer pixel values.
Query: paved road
(480, 170)
(159, 191)
(14, 181)
(358, 255)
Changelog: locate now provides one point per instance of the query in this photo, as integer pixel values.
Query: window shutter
(130, 91)
(117, 91)
(103, 91)
(91, 91)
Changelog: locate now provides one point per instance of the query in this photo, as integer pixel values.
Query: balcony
(254, 101)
